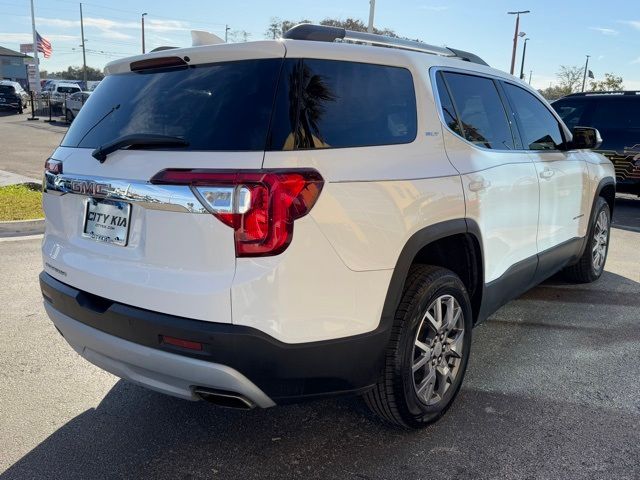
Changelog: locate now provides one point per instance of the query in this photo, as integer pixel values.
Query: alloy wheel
(600, 240)
(438, 349)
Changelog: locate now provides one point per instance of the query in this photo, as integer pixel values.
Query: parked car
(73, 104)
(61, 90)
(615, 115)
(313, 218)
(13, 96)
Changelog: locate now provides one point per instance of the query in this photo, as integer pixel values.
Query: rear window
(338, 104)
(68, 89)
(221, 106)
(7, 89)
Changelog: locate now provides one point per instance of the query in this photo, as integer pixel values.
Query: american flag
(44, 46)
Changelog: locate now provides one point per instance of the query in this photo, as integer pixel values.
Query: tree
(239, 36)
(74, 73)
(610, 82)
(570, 78)
(554, 92)
(278, 27)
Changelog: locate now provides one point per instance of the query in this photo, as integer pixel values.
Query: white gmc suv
(261, 223)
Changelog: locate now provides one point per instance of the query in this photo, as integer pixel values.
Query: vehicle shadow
(135, 433)
(511, 419)
(626, 215)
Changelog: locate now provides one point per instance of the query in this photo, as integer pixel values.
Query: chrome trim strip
(172, 198)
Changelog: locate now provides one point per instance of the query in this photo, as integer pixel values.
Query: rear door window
(480, 110)
(539, 129)
(573, 112)
(221, 106)
(338, 104)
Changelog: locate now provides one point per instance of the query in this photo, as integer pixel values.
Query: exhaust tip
(224, 399)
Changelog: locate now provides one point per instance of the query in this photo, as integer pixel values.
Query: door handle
(547, 173)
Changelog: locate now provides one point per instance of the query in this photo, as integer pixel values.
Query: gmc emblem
(89, 187)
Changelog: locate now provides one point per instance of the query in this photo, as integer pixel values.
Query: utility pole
(226, 33)
(35, 53)
(524, 52)
(584, 78)
(84, 55)
(143, 15)
(515, 37)
(372, 9)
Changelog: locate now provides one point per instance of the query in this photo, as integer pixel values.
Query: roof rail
(324, 33)
(607, 92)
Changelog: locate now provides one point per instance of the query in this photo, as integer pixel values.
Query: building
(13, 66)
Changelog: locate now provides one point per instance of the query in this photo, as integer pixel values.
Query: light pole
(515, 37)
(84, 55)
(143, 15)
(524, 52)
(584, 78)
(372, 9)
(226, 33)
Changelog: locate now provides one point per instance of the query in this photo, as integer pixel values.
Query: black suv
(10, 98)
(617, 116)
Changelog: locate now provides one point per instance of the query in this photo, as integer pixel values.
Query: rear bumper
(125, 340)
(161, 371)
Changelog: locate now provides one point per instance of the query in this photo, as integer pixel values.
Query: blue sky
(561, 32)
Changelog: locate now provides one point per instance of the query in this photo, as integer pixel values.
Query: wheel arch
(428, 246)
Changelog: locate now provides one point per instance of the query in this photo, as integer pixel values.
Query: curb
(20, 228)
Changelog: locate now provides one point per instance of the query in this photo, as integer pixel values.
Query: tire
(414, 340)
(587, 269)
(68, 116)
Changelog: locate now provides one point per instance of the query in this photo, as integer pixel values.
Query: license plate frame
(104, 226)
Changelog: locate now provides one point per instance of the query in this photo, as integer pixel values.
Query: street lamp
(515, 36)
(143, 15)
(524, 53)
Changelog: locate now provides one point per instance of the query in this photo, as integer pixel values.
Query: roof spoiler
(200, 37)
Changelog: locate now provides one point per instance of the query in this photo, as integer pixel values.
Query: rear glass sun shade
(254, 105)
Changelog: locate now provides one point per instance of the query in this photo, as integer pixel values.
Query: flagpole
(35, 52)
(584, 78)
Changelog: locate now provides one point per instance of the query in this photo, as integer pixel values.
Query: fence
(61, 108)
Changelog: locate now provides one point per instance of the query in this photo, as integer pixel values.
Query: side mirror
(586, 137)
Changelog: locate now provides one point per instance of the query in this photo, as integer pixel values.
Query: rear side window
(220, 106)
(337, 104)
(480, 111)
(539, 129)
(448, 110)
(616, 112)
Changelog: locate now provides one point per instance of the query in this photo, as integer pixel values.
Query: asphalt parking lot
(552, 391)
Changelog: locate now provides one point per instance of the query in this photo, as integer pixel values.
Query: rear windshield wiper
(137, 140)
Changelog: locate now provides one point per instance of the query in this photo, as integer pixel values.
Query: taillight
(260, 206)
(53, 166)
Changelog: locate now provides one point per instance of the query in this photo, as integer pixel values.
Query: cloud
(631, 23)
(107, 25)
(114, 35)
(605, 31)
(637, 60)
(28, 37)
(434, 8)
